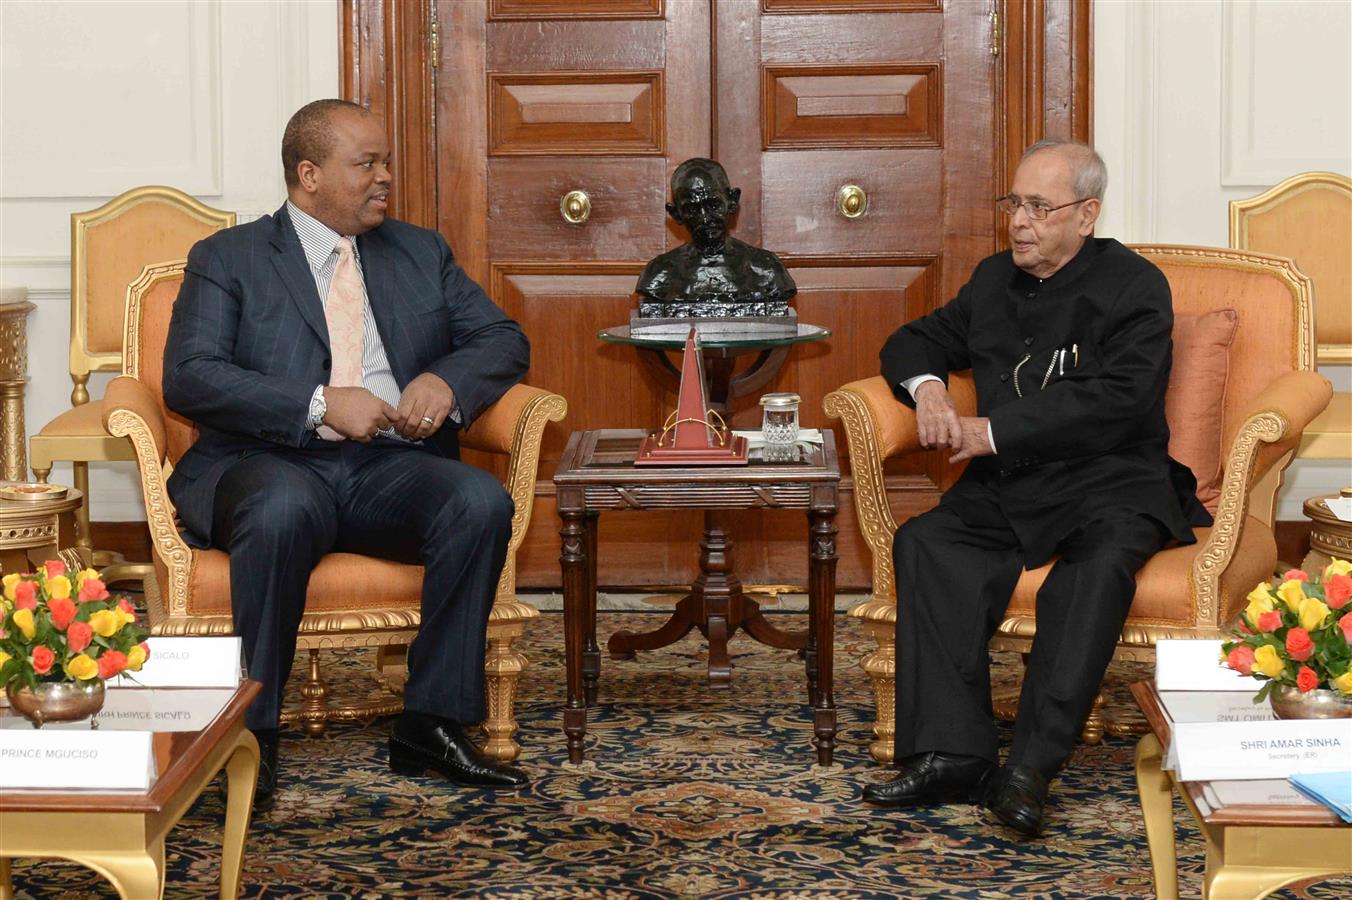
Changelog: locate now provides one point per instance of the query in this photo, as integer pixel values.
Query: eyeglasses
(1036, 209)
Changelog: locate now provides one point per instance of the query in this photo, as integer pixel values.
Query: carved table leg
(821, 642)
(573, 559)
(591, 653)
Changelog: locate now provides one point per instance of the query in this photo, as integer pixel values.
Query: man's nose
(383, 175)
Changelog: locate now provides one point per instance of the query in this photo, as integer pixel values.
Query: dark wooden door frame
(391, 51)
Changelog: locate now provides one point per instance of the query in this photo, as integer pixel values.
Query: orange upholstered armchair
(1239, 442)
(353, 600)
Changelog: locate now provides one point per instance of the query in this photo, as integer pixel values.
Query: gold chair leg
(82, 539)
(1092, 733)
(503, 667)
(881, 666)
(316, 703)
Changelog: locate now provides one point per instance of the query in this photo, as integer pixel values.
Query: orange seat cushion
(341, 582)
(1195, 402)
(85, 420)
(1163, 592)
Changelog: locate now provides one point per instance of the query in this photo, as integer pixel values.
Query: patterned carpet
(688, 793)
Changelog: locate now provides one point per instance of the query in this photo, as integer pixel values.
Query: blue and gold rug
(687, 792)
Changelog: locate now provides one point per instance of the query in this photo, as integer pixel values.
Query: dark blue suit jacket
(248, 343)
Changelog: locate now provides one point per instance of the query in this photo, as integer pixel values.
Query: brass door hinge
(435, 40)
(995, 34)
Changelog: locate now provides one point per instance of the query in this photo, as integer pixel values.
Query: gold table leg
(1157, 807)
(6, 886)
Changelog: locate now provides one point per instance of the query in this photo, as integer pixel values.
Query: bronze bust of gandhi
(714, 275)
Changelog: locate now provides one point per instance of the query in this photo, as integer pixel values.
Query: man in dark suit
(329, 355)
(1068, 338)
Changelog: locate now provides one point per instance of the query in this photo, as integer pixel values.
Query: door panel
(906, 98)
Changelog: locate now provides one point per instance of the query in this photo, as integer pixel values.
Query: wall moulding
(179, 145)
(1249, 156)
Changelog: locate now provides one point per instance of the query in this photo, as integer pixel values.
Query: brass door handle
(851, 201)
(576, 207)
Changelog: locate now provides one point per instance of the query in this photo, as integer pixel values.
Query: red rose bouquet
(57, 626)
(1297, 632)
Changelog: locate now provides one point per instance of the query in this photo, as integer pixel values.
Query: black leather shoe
(932, 778)
(421, 743)
(1018, 800)
(265, 792)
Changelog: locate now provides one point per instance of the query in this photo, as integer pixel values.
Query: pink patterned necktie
(344, 310)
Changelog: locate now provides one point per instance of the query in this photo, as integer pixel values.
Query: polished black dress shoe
(932, 778)
(1018, 798)
(420, 744)
(265, 791)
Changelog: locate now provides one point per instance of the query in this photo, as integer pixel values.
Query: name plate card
(1206, 751)
(197, 662)
(1195, 666)
(161, 709)
(96, 761)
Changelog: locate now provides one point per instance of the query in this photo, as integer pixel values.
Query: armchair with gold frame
(1308, 217)
(353, 600)
(108, 248)
(1271, 395)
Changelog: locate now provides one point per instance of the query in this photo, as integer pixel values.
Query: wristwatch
(318, 408)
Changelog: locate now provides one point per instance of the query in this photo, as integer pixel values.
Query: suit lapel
(289, 259)
(378, 271)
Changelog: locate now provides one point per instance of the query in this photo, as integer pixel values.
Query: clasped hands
(359, 415)
(939, 425)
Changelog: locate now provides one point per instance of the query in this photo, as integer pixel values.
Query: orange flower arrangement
(57, 626)
(1297, 632)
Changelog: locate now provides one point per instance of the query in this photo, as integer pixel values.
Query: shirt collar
(1062, 276)
(317, 239)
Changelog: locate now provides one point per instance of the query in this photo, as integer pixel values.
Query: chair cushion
(1195, 402)
(85, 420)
(341, 582)
(1163, 591)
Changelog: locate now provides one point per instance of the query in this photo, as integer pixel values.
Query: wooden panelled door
(868, 138)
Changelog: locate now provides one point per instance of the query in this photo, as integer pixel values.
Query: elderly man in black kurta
(1068, 340)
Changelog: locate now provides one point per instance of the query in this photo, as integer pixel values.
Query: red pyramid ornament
(694, 435)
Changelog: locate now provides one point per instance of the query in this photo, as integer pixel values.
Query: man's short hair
(309, 135)
(706, 167)
(1090, 176)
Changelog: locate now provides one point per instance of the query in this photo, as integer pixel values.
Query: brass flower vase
(57, 701)
(1290, 702)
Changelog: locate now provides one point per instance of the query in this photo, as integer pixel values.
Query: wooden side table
(596, 473)
(32, 530)
(126, 840)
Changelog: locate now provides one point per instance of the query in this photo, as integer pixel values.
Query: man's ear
(671, 211)
(308, 175)
(734, 200)
(1089, 213)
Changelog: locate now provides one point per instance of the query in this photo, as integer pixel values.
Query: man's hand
(975, 439)
(936, 418)
(356, 413)
(423, 407)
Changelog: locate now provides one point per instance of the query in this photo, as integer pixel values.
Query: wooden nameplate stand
(694, 439)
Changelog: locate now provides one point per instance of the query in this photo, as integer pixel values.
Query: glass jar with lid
(779, 425)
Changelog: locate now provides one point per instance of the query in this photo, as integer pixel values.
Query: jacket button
(1004, 376)
(1031, 295)
(1028, 342)
(327, 363)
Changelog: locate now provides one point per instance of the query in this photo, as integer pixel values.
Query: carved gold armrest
(132, 411)
(515, 425)
(1269, 434)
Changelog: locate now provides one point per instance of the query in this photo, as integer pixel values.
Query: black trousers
(279, 513)
(956, 567)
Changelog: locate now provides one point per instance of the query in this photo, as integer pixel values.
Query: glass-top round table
(720, 351)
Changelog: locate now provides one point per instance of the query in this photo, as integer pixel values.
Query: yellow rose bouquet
(1297, 632)
(57, 626)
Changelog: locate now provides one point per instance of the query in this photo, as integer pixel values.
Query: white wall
(1200, 102)
(99, 96)
(1196, 102)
